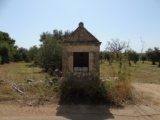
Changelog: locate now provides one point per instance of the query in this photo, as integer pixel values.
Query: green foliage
(154, 55)
(50, 54)
(7, 49)
(101, 56)
(94, 91)
(4, 37)
(58, 35)
(122, 69)
(33, 51)
(44, 35)
(151, 55)
(109, 56)
(9, 52)
(133, 56)
(119, 91)
(5, 52)
(0, 59)
(157, 51)
(82, 90)
(22, 54)
(143, 57)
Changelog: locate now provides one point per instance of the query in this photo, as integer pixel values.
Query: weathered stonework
(81, 41)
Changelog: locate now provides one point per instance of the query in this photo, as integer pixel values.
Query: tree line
(117, 49)
(49, 54)
(7, 48)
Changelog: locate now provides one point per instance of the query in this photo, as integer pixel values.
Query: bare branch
(10, 80)
(143, 45)
(116, 46)
(17, 89)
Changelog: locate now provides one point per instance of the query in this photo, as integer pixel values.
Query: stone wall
(67, 59)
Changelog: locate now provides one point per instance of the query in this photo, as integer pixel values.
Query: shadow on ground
(84, 112)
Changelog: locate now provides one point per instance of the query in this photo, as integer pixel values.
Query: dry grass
(145, 73)
(119, 92)
(20, 72)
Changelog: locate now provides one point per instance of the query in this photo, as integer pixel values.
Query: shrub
(118, 92)
(95, 91)
(0, 59)
(76, 90)
(5, 52)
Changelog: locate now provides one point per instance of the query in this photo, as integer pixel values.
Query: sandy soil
(10, 111)
(150, 91)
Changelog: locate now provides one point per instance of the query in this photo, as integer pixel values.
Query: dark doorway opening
(81, 61)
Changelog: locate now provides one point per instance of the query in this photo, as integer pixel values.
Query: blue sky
(127, 20)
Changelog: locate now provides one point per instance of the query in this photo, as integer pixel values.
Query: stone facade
(81, 54)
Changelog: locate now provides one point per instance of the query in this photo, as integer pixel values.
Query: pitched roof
(81, 34)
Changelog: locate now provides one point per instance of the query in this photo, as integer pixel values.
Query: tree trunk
(120, 64)
(129, 63)
(158, 63)
(153, 62)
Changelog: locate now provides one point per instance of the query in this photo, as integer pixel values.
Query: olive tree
(133, 56)
(143, 57)
(49, 56)
(151, 55)
(116, 46)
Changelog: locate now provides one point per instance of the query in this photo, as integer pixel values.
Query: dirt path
(79, 112)
(86, 112)
(152, 91)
